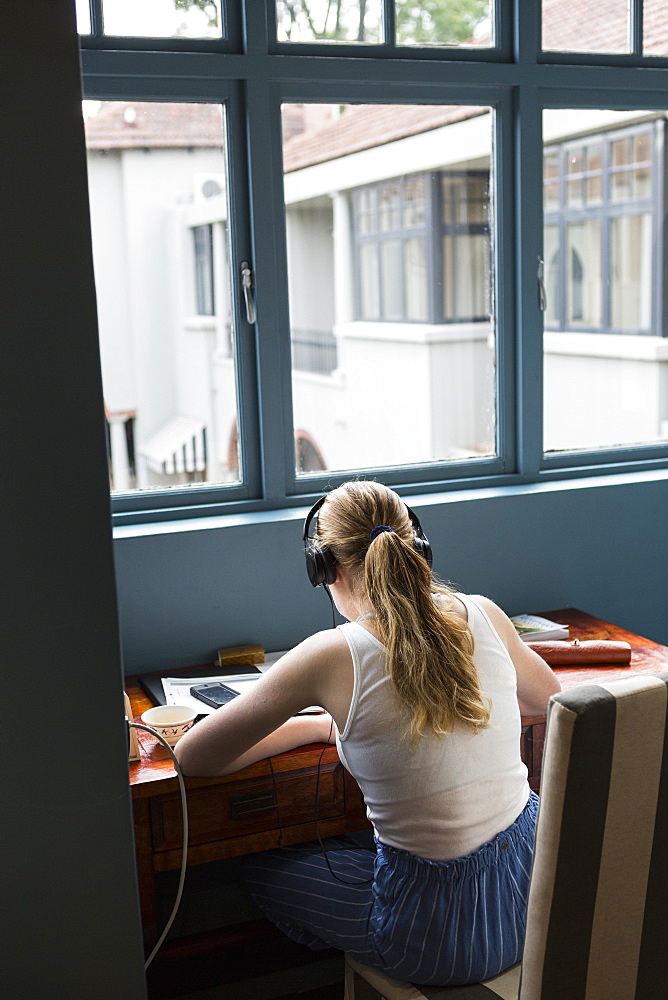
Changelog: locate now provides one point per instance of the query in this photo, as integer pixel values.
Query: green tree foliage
(421, 22)
(208, 7)
(441, 22)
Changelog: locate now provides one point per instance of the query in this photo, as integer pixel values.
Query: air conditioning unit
(208, 186)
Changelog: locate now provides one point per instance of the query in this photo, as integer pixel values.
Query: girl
(423, 689)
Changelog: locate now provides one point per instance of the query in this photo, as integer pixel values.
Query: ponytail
(429, 648)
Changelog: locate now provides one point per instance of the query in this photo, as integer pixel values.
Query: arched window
(308, 457)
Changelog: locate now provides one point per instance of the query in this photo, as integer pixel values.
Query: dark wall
(600, 545)
(71, 922)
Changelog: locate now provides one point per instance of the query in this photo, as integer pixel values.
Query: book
(533, 628)
(233, 655)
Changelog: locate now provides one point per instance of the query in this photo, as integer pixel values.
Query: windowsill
(424, 501)
(607, 345)
(200, 324)
(413, 333)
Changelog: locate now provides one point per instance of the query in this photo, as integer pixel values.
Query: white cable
(184, 807)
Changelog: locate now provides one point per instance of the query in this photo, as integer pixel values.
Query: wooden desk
(245, 812)
(646, 657)
(233, 815)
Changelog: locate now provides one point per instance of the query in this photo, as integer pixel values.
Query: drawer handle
(252, 804)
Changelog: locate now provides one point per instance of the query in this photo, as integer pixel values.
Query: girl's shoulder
(449, 601)
(324, 650)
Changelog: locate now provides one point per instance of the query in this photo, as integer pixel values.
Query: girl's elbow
(191, 763)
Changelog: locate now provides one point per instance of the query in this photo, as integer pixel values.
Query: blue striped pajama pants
(430, 922)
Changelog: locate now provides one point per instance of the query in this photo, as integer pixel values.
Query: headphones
(320, 561)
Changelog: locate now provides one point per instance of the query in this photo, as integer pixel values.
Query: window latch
(247, 285)
(542, 297)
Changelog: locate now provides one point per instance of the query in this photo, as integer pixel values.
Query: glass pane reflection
(157, 179)
(163, 18)
(390, 280)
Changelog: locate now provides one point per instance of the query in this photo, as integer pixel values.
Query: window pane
(466, 276)
(406, 301)
(204, 272)
(550, 181)
(604, 342)
(413, 200)
(390, 214)
(655, 28)
(621, 151)
(390, 279)
(574, 193)
(586, 26)
(369, 281)
(620, 185)
(158, 191)
(631, 275)
(365, 203)
(583, 291)
(445, 22)
(83, 17)
(415, 279)
(323, 21)
(163, 18)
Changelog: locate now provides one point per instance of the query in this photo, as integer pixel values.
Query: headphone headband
(320, 561)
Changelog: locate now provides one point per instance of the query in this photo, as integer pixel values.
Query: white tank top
(448, 795)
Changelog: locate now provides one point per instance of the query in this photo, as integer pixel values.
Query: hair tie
(377, 531)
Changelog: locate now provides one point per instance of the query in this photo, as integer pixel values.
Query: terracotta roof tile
(154, 124)
(365, 126)
(594, 26)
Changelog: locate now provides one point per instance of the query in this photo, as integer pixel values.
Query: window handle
(247, 285)
(542, 297)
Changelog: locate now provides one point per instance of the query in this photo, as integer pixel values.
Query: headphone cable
(344, 881)
(331, 601)
(184, 850)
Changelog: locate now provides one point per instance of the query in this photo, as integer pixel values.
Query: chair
(596, 920)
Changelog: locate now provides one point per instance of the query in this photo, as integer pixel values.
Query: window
(203, 252)
(323, 258)
(422, 245)
(604, 330)
(159, 213)
(414, 346)
(600, 219)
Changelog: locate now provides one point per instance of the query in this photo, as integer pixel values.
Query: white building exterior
(172, 369)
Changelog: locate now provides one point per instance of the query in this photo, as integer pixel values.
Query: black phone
(213, 693)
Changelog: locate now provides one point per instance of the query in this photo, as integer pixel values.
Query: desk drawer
(246, 807)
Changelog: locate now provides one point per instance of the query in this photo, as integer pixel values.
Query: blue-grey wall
(600, 545)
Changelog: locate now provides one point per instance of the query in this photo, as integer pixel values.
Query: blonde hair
(429, 649)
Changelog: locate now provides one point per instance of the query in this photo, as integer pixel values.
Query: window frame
(247, 73)
(432, 231)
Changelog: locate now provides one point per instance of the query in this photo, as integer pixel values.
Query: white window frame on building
(421, 223)
(587, 197)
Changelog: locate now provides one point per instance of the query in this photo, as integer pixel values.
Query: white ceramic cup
(170, 721)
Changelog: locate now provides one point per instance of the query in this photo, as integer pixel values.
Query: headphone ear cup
(423, 548)
(420, 541)
(320, 565)
(329, 565)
